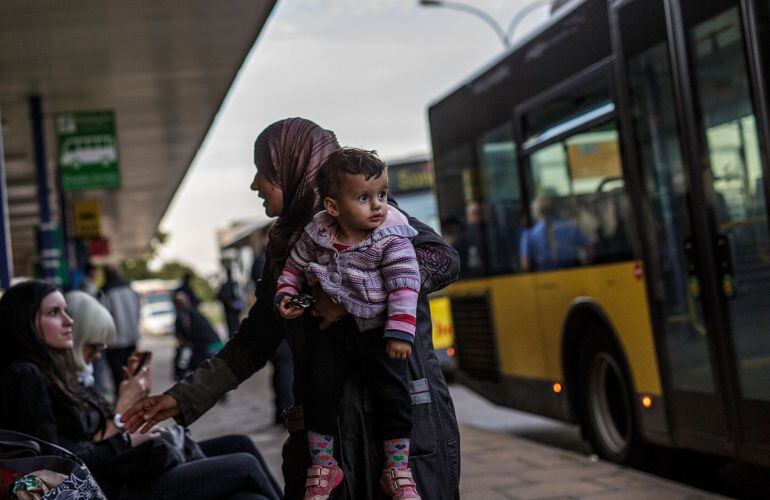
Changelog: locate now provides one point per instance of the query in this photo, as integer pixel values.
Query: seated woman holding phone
(92, 331)
(46, 390)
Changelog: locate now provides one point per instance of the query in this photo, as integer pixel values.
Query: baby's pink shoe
(321, 481)
(398, 484)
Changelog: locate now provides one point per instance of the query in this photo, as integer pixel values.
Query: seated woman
(92, 331)
(41, 396)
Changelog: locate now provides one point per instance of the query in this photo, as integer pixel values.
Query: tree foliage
(139, 269)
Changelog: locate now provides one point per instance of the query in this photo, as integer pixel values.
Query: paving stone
(569, 473)
(545, 459)
(646, 493)
(549, 489)
(484, 495)
(474, 468)
(501, 482)
(623, 480)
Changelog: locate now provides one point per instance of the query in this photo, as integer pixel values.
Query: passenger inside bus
(475, 247)
(552, 242)
(468, 239)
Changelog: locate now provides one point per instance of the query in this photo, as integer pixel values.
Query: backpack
(65, 476)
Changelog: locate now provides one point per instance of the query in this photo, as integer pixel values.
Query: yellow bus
(605, 182)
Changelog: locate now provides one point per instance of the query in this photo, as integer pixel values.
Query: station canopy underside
(164, 68)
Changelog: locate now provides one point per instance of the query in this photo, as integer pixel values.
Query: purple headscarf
(289, 153)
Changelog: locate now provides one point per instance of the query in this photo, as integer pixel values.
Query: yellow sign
(443, 330)
(409, 180)
(596, 159)
(88, 219)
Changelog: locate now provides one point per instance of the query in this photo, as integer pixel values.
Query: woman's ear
(331, 207)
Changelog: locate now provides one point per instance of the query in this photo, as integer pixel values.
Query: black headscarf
(289, 153)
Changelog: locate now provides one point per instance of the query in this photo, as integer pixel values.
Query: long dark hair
(21, 341)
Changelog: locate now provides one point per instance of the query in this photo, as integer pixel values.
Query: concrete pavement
(501, 467)
(495, 464)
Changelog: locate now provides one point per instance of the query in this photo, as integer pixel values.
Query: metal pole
(469, 9)
(67, 244)
(49, 254)
(6, 258)
(521, 14)
(505, 36)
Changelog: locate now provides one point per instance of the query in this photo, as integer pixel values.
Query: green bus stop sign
(88, 150)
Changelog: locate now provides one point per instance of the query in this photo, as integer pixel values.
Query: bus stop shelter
(161, 69)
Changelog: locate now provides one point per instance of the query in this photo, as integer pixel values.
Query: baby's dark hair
(347, 161)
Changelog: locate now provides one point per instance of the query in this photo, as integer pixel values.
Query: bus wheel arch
(600, 388)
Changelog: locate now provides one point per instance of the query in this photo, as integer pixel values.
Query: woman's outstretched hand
(150, 411)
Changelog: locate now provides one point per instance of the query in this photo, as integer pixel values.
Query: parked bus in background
(411, 185)
(606, 183)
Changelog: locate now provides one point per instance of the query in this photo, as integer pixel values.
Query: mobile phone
(146, 356)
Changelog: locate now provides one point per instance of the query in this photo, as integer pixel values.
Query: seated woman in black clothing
(39, 397)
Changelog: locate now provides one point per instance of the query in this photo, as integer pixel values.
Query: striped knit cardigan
(377, 280)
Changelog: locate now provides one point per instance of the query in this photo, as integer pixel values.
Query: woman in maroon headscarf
(287, 155)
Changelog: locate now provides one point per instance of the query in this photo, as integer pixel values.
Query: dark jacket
(229, 297)
(258, 266)
(193, 329)
(186, 289)
(29, 404)
(435, 457)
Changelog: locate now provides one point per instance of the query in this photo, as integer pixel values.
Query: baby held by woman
(359, 251)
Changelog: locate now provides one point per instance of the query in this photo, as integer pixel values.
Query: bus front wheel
(606, 400)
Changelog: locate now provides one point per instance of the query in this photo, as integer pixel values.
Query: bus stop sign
(88, 215)
(88, 150)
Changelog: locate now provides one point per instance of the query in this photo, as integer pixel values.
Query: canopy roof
(163, 67)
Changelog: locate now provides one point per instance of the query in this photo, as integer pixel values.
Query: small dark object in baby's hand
(302, 301)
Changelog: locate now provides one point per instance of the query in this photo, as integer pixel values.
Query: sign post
(88, 150)
(6, 260)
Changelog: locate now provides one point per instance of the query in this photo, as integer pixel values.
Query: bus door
(693, 85)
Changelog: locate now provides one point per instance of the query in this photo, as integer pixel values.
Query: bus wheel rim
(608, 388)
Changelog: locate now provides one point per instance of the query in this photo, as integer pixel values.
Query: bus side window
(501, 195)
(580, 207)
(461, 211)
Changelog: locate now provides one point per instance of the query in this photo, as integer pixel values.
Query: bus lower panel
(717, 445)
(653, 424)
(533, 396)
(749, 453)
(538, 397)
(755, 454)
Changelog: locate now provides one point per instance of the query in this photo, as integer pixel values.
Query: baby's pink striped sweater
(377, 280)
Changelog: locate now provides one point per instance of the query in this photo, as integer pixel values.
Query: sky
(366, 69)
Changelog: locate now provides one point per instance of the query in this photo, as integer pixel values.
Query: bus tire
(606, 399)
